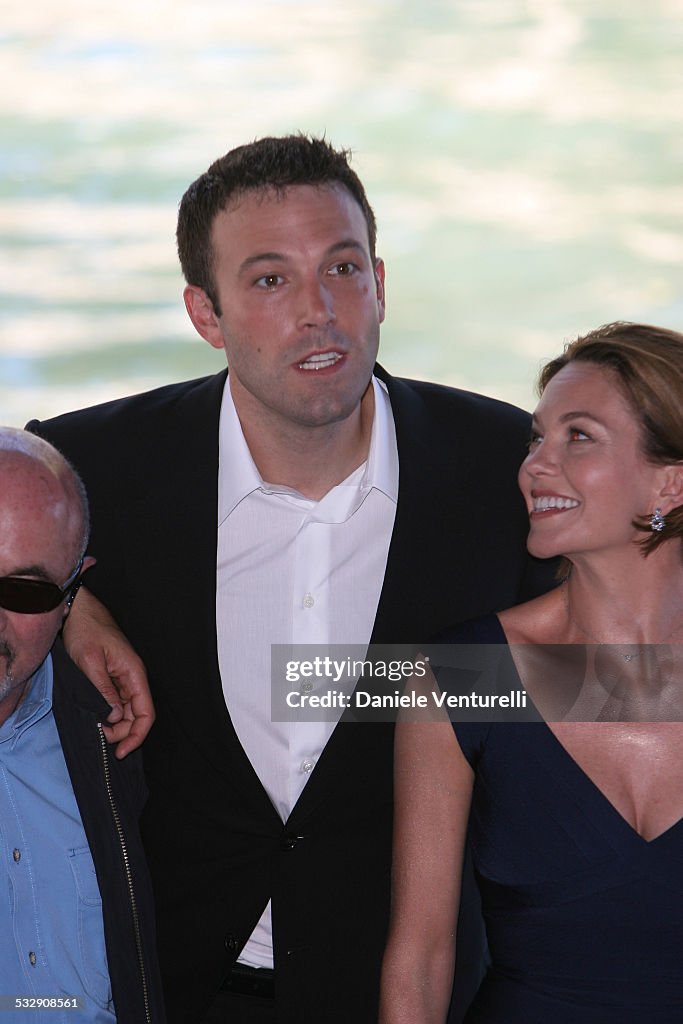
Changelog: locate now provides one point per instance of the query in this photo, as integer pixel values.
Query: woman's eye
(533, 440)
(578, 435)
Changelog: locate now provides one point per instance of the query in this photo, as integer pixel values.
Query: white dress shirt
(291, 570)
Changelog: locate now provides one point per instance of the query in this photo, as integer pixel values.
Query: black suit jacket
(217, 849)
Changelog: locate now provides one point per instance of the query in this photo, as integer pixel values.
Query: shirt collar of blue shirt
(37, 702)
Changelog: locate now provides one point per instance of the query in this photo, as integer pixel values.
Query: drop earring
(657, 520)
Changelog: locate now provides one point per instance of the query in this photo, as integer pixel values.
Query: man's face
(35, 530)
(301, 303)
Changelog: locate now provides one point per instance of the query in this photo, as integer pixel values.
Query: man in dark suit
(310, 500)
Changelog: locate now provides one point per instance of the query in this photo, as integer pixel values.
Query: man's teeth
(541, 504)
(320, 361)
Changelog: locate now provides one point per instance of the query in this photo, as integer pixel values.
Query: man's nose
(316, 304)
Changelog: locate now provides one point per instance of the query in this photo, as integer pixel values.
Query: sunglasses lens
(31, 597)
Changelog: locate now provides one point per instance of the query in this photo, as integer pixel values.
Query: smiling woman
(587, 481)
(575, 824)
(644, 365)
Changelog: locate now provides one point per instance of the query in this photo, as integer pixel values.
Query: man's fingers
(92, 662)
(139, 728)
(115, 733)
(102, 652)
(115, 715)
(131, 683)
(131, 727)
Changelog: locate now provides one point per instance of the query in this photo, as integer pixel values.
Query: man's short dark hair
(268, 163)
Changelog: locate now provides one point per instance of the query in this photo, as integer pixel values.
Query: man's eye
(343, 269)
(269, 281)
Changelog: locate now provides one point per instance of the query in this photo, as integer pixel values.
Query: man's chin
(8, 685)
(326, 410)
(11, 687)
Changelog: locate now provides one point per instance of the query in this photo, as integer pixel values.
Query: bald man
(76, 915)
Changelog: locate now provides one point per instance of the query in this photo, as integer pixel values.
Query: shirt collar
(382, 465)
(36, 703)
(380, 469)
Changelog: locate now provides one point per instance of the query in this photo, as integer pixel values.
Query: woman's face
(585, 478)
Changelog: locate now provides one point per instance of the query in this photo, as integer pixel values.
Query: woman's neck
(626, 600)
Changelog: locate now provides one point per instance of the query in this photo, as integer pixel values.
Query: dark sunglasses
(32, 597)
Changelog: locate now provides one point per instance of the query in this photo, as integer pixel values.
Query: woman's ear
(671, 492)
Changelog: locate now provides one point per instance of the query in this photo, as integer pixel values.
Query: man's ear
(381, 292)
(202, 314)
(88, 563)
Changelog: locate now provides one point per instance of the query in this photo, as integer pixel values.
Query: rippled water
(524, 160)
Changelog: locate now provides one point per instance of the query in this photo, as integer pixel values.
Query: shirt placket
(310, 626)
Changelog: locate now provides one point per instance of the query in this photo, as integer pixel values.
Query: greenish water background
(524, 160)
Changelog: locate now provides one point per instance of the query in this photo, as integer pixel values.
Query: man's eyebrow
(262, 257)
(32, 570)
(281, 257)
(346, 243)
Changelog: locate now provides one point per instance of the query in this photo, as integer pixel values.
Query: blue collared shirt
(51, 928)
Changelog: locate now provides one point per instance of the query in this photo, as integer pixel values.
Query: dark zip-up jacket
(110, 796)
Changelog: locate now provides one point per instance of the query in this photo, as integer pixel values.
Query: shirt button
(309, 601)
(289, 841)
(307, 686)
(17, 856)
(32, 959)
(307, 766)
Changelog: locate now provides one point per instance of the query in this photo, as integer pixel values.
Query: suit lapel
(175, 527)
(419, 518)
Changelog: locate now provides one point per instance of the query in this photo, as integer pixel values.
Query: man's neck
(312, 460)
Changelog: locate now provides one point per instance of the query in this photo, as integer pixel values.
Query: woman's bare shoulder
(540, 621)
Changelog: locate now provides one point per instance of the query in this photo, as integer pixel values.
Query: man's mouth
(553, 501)
(321, 361)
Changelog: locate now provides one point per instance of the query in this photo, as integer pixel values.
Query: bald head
(30, 468)
(43, 534)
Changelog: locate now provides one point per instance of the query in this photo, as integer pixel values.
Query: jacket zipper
(127, 868)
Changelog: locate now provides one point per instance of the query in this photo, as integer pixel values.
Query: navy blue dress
(584, 917)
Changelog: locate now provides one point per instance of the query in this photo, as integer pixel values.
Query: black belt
(250, 981)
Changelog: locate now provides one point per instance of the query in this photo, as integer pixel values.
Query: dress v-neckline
(573, 768)
(594, 793)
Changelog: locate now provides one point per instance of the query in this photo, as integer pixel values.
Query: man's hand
(99, 648)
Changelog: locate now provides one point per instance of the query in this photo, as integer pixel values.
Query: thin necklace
(631, 655)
